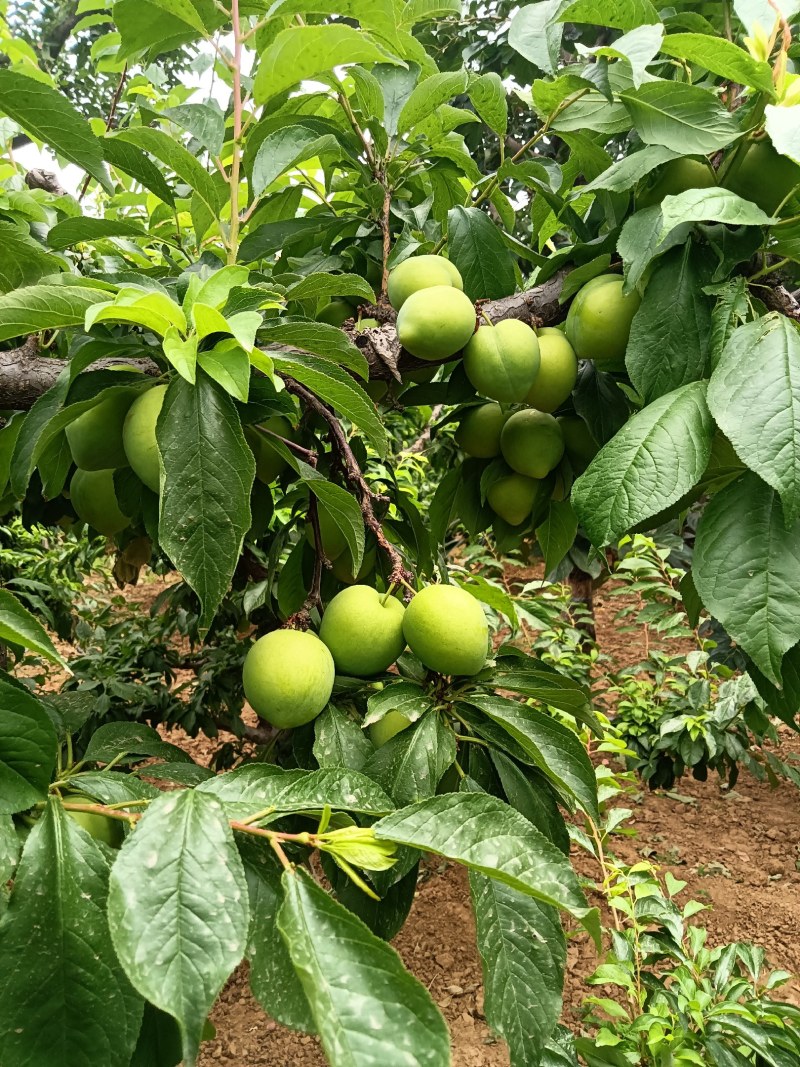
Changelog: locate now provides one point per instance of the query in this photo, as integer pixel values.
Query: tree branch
(364, 494)
(45, 179)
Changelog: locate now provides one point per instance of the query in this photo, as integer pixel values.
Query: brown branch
(109, 122)
(364, 494)
(777, 298)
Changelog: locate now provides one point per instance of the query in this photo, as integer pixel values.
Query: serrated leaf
(477, 248)
(63, 996)
(534, 678)
(406, 697)
(721, 57)
(209, 471)
(182, 353)
(135, 163)
(639, 46)
(273, 980)
(783, 127)
(783, 702)
(657, 457)
(555, 749)
(302, 52)
(556, 534)
(488, 96)
(257, 787)
(641, 240)
(115, 740)
(284, 149)
(671, 332)
(429, 94)
(760, 412)
(45, 307)
(412, 763)
(600, 402)
(48, 116)
(204, 121)
(333, 385)
(320, 339)
(28, 745)
(684, 117)
(73, 231)
(24, 260)
(315, 286)
(528, 792)
(339, 741)
(178, 908)
(342, 508)
(536, 34)
(523, 954)
(367, 1008)
(619, 14)
(416, 11)
(745, 567)
(626, 172)
(710, 205)
(19, 627)
(488, 836)
(229, 365)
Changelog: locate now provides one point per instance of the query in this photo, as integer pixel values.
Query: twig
(352, 471)
(109, 119)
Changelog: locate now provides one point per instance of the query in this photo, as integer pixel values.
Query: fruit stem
(388, 593)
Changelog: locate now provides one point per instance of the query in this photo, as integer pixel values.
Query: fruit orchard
(557, 244)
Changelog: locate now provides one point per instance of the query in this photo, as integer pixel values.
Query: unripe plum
(420, 272)
(288, 677)
(95, 437)
(599, 321)
(675, 177)
(95, 501)
(447, 630)
(363, 630)
(512, 497)
(580, 446)
(558, 371)
(436, 323)
(478, 433)
(764, 176)
(532, 443)
(392, 723)
(139, 436)
(502, 361)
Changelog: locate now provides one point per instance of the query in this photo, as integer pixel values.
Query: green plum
(512, 497)
(420, 272)
(95, 501)
(95, 438)
(532, 443)
(558, 371)
(599, 321)
(288, 677)
(435, 323)
(446, 629)
(139, 436)
(363, 630)
(478, 433)
(502, 361)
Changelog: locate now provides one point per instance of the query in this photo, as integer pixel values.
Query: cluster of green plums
(289, 674)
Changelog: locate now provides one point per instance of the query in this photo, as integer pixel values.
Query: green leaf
(342, 507)
(209, 471)
(302, 52)
(284, 149)
(710, 205)
(85, 228)
(273, 979)
(600, 402)
(27, 748)
(671, 332)
(639, 47)
(629, 170)
(488, 96)
(488, 836)
(229, 365)
(258, 786)
(319, 338)
(45, 307)
(782, 702)
(318, 285)
(534, 678)
(528, 792)
(339, 741)
(336, 388)
(536, 33)
(367, 1008)
(182, 354)
(721, 57)
(173, 155)
(657, 457)
(48, 116)
(429, 94)
(555, 749)
(618, 14)
(114, 740)
(683, 117)
(19, 627)
(556, 534)
(523, 954)
(406, 697)
(205, 122)
(133, 161)
(745, 569)
(178, 908)
(477, 248)
(641, 240)
(63, 995)
(184, 10)
(24, 260)
(759, 410)
(412, 763)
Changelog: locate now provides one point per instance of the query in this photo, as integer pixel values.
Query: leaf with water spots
(178, 908)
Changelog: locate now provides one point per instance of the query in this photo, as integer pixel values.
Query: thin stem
(115, 99)
(765, 270)
(233, 233)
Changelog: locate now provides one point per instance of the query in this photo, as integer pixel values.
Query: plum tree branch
(364, 494)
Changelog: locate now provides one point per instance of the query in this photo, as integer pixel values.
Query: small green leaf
(182, 353)
(760, 412)
(367, 1008)
(302, 52)
(19, 627)
(536, 33)
(406, 697)
(556, 534)
(428, 94)
(628, 171)
(209, 471)
(85, 228)
(619, 14)
(488, 836)
(680, 116)
(478, 250)
(318, 285)
(48, 116)
(745, 568)
(488, 96)
(229, 365)
(204, 121)
(28, 745)
(178, 908)
(657, 457)
(721, 57)
(114, 740)
(45, 307)
(63, 996)
(710, 205)
(342, 508)
(284, 149)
